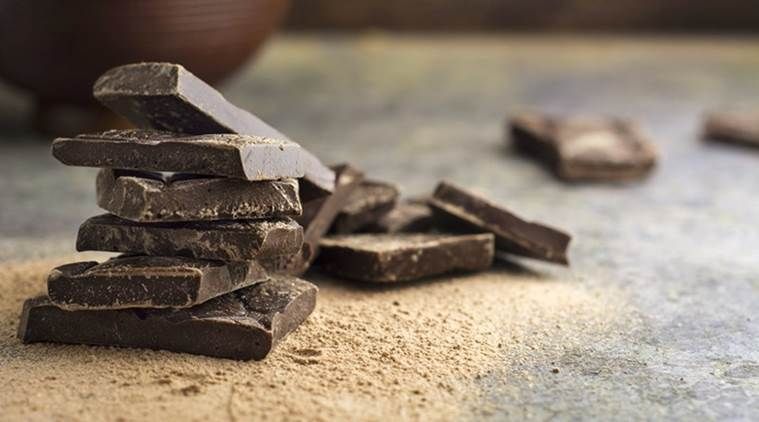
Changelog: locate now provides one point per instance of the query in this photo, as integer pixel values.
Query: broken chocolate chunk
(237, 156)
(243, 325)
(147, 282)
(472, 212)
(318, 215)
(406, 217)
(585, 149)
(366, 204)
(150, 197)
(733, 127)
(404, 257)
(241, 240)
(166, 96)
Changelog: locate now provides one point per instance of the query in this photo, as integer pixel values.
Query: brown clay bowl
(56, 49)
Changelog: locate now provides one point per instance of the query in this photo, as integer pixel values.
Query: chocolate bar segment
(585, 149)
(242, 325)
(166, 96)
(151, 197)
(242, 240)
(147, 282)
(366, 204)
(236, 156)
(406, 217)
(733, 127)
(318, 216)
(469, 211)
(404, 257)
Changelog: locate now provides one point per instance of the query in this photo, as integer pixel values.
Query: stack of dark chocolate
(202, 202)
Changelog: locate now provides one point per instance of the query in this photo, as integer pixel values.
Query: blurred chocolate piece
(733, 127)
(237, 156)
(219, 240)
(469, 211)
(147, 282)
(152, 197)
(404, 257)
(366, 204)
(166, 96)
(243, 325)
(580, 149)
(318, 216)
(406, 217)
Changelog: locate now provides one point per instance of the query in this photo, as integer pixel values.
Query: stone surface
(243, 325)
(241, 240)
(677, 250)
(388, 258)
(147, 282)
(154, 198)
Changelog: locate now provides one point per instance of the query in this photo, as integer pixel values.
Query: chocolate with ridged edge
(404, 257)
(318, 215)
(366, 204)
(147, 282)
(466, 210)
(152, 197)
(585, 149)
(737, 127)
(167, 96)
(237, 156)
(245, 324)
(241, 240)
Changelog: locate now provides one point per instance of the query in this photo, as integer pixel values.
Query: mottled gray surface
(682, 245)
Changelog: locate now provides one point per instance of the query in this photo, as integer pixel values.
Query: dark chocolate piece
(579, 149)
(166, 96)
(733, 127)
(243, 325)
(406, 217)
(404, 257)
(148, 282)
(237, 156)
(512, 234)
(366, 204)
(241, 240)
(147, 197)
(318, 215)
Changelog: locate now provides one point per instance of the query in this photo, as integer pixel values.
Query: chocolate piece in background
(407, 217)
(240, 240)
(317, 218)
(469, 211)
(148, 282)
(585, 149)
(150, 197)
(366, 204)
(245, 324)
(167, 96)
(404, 257)
(738, 127)
(237, 156)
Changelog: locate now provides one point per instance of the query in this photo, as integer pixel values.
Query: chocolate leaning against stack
(198, 274)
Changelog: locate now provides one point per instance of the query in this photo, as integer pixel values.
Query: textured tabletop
(657, 317)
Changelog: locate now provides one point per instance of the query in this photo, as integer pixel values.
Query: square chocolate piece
(465, 210)
(147, 282)
(366, 204)
(153, 197)
(242, 325)
(733, 127)
(585, 149)
(404, 257)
